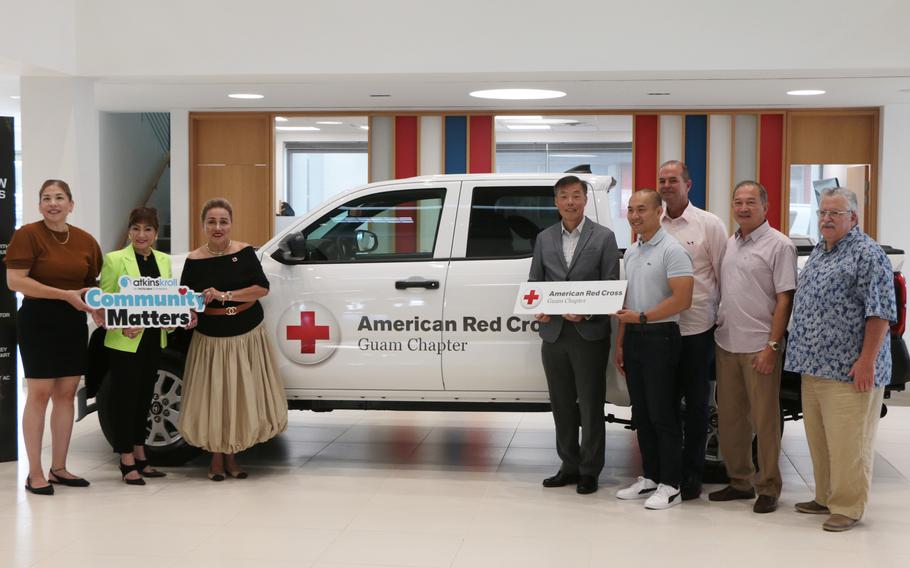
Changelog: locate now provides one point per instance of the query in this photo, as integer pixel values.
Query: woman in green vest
(134, 352)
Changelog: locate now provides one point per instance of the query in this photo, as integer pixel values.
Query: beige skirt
(232, 396)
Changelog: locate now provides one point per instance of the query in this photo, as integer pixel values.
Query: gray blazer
(596, 258)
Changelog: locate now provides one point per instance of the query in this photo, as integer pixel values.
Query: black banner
(8, 405)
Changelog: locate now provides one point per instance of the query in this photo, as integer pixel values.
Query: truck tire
(164, 445)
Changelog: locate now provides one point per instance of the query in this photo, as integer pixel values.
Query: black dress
(232, 396)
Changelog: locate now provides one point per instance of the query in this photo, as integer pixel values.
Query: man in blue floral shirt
(843, 305)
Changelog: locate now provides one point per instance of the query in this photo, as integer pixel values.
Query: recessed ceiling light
(246, 96)
(528, 126)
(806, 92)
(15, 97)
(296, 128)
(280, 119)
(517, 94)
(329, 122)
(519, 117)
(364, 127)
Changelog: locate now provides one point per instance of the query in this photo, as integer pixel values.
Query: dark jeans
(132, 377)
(576, 377)
(695, 387)
(650, 358)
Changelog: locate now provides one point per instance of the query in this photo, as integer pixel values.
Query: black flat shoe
(586, 484)
(125, 469)
(215, 476)
(236, 474)
(561, 479)
(142, 464)
(46, 490)
(74, 482)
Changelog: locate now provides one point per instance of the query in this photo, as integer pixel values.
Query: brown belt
(229, 311)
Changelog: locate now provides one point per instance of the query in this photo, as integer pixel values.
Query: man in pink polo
(704, 236)
(758, 277)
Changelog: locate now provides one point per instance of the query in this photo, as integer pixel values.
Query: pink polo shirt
(754, 271)
(704, 235)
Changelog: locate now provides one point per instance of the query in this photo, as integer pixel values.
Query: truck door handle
(428, 284)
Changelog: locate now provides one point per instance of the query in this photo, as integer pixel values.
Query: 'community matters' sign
(146, 302)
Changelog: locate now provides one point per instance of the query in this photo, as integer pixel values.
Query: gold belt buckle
(231, 310)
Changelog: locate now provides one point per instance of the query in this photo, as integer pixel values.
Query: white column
(893, 193)
(60, 140)
(181, 224)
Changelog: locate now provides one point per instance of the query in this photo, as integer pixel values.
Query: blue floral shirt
(837, 290)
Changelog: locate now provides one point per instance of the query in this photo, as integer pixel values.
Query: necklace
(53, 236)
(220, 252)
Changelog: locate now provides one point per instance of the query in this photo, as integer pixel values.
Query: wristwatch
(774, 345)
(642, 318)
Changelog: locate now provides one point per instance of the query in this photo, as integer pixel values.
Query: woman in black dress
(232, 397)
(52, 264)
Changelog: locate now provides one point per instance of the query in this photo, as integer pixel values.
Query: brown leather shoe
(812, 508)
(765, 504)
(730, 493)
(839, 523)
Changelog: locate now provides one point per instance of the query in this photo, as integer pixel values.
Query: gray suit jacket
(596, 258)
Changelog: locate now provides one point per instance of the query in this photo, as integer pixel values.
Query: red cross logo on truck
(307, 332)
(531, 297)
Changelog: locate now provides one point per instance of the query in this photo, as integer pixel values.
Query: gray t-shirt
(648, 266)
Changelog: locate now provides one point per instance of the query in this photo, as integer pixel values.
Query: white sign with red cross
(583, 298)
(308, 333)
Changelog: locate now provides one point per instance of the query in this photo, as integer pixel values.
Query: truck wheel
(163, 445)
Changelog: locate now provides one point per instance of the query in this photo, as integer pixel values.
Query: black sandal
(125, 469)
(74, 482)
(142, 464)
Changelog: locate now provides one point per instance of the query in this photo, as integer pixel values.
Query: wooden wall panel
(817, 138)
(231, 157)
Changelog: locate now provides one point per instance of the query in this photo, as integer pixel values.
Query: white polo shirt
(649, 264)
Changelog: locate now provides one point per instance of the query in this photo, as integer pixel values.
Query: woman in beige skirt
(232, 397)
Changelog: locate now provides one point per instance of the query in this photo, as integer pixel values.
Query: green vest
(119, 263)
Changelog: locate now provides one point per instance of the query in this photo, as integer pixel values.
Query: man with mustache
(704, 236)
(576, 348)
(838, 341)
(758, 276)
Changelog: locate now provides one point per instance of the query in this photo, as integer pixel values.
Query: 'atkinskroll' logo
(146, 302)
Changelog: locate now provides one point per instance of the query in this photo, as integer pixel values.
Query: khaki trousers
(840, 427)
(748, 403)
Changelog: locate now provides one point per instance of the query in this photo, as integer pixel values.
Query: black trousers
(576, 377)
(695, 387)
(650, 357)
(132, 377)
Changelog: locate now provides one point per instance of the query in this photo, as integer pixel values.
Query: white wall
(346, 37)
(39, 36)
(893, 185)
(60, 140)
(130, 159)
(180, 181)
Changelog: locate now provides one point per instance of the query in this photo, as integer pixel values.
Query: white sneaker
(665, 497)
(638, 490)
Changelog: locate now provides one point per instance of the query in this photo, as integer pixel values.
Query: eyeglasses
(833, 213)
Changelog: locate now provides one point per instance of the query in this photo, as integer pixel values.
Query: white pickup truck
(399, 295)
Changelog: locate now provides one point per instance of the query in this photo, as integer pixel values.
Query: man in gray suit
(576, 348)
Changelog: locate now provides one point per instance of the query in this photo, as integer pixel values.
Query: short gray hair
(847, 194)
(762, 192)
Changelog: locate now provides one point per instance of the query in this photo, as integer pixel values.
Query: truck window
(395, 225)
(505, 221)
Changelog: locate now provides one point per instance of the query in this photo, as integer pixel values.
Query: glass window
(505, 221)
(806, 184)
(317, 171)
(397, 225)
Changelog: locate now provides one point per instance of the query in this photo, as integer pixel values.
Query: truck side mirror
(367, 241)
(296, 253)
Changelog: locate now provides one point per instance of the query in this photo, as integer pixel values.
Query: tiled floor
(359, 489)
